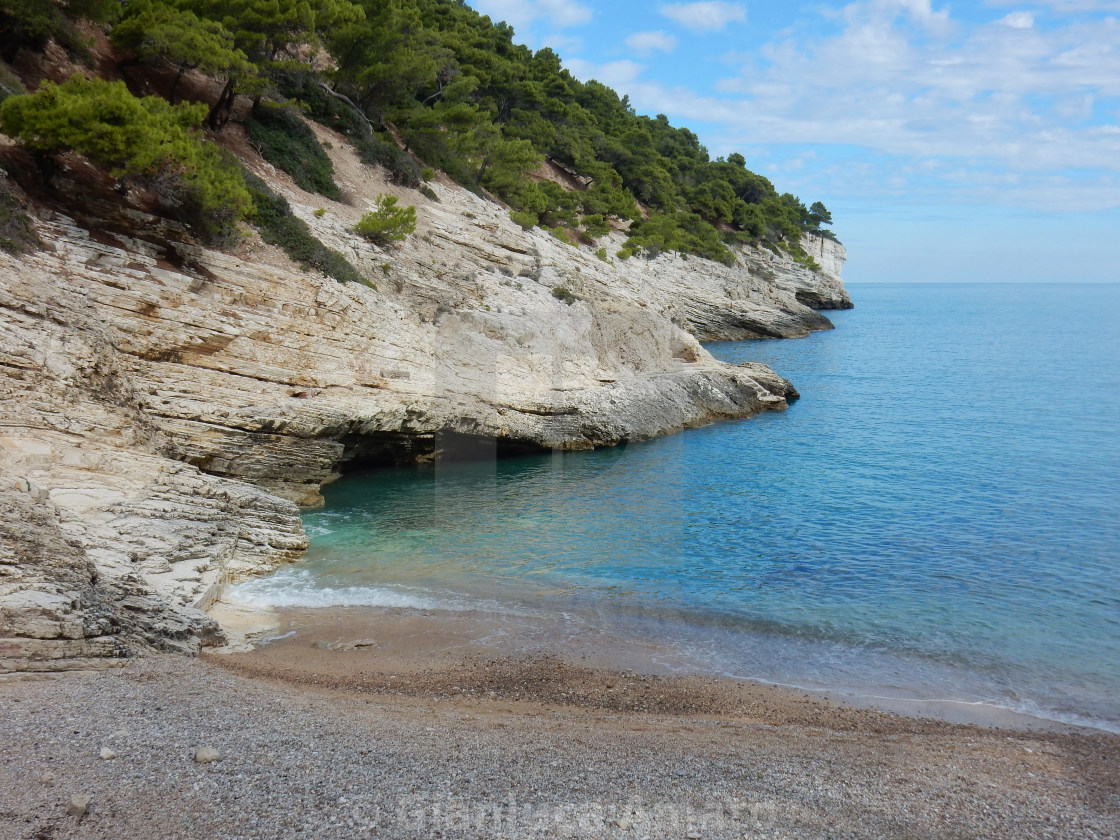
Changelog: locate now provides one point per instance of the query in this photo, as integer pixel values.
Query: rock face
(165, 408)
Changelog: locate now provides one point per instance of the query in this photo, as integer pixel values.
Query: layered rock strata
(165, 408)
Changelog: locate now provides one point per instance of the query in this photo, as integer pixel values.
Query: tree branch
(366, 124)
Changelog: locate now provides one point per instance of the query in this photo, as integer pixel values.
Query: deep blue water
(937, 517)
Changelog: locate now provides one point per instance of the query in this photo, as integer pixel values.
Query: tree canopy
(142, 137)
(156, 32)
(463, 96)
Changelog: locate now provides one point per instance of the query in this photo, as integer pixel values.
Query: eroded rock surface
(165, 408)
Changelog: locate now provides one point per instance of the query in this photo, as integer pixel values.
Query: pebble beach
(334, 734)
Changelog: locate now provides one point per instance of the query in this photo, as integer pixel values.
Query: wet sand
(561, 659)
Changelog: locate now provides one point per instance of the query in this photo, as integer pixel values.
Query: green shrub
(388, 223)
(562, 293)
(376, 151)
(807, 261)
(686, 233)
(211, 210)
(302, 85)
(524, 218)
(33, 23)
(560, 205)
(561, 234)
(602, 254)
(159, 34)
(428, 193)
(285, 141)
(273, 217)
(139, 137)
(427, 173)
(596, 225)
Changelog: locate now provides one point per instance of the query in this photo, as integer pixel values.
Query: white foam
(298, 589)
(1035, 710)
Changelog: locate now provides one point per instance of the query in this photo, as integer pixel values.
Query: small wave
(315, 530)
(1020, 708)
(1067, 718)
(299, 590)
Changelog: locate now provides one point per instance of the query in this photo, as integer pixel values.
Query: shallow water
(937, 517)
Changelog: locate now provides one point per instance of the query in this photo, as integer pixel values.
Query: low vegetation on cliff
(432, 76)
(388, 223)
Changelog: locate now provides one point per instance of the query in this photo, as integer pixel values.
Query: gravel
(298, 761)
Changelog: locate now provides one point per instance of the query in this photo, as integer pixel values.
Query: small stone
(204, 755)
(107, 753)
(693, 835)
(624, 824)
(47, 779)
(79, 802)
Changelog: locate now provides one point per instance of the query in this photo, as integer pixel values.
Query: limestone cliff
(164, 408)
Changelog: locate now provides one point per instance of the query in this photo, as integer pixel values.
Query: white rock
(205, 755)
(107, 753)
(79, 803)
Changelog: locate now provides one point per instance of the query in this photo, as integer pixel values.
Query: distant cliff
(164, 408)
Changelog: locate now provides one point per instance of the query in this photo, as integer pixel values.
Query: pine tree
(155, 32)
(145, 138)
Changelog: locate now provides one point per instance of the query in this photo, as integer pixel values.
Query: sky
(952, 142)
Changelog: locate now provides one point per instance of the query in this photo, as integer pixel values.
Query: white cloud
(580, 68)
(517, 13)
(645, 43)
(705, 16)
(1066, 6)
(886, 80)
(562, 44)
(1018, 20)
(564, 13)
(522, 14)
(936, 106)
(622, 76)
(879, 12)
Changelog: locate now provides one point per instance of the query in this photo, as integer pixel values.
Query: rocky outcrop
(61, 609)
(165, 408)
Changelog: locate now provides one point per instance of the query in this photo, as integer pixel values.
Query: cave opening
(363, 452)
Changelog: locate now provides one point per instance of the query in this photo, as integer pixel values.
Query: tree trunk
(175, 85)
(224, 104)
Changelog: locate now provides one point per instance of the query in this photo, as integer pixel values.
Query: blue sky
(952, 142)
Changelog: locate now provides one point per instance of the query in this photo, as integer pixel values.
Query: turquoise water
(938, 517)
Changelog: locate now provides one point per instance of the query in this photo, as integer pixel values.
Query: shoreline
(360, 648)
(300, 755)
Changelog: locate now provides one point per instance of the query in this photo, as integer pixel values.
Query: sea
(936, 519)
